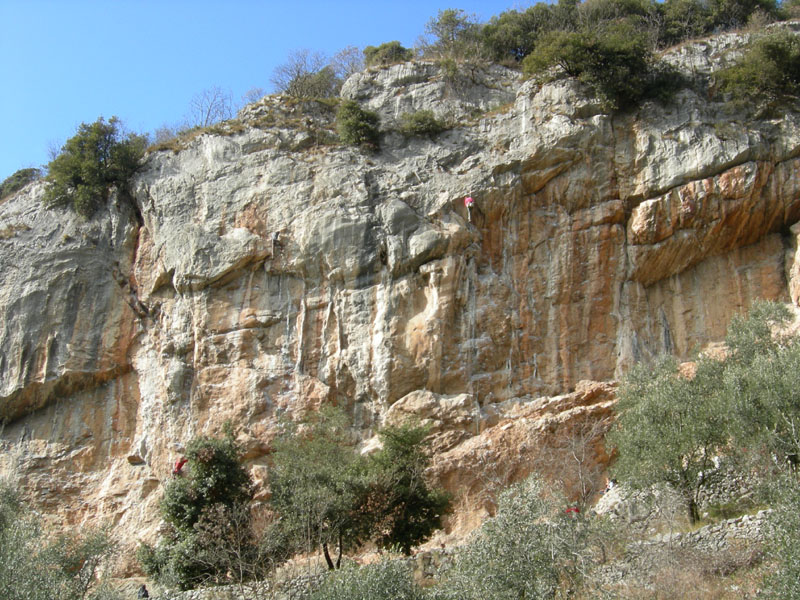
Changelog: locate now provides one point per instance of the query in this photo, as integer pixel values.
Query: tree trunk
(693, 512)
(327, 556)
(339, 558)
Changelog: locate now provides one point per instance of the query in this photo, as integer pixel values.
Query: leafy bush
(318, 484)
(512, 35)
(455, 34)
(308, 74)
(386, 580)
(387, 54)
(614, 60)
(208, 512)
(329, 496)
(18, 180)
(97, 158)
(768, 71)
(684, 19)
(730, 14)
(38, 566)
(404, 509)
(422, 122)
(669, 427)
(356, 126)
(524, 551)
(784, 545)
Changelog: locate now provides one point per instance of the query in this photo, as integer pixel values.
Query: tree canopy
(327, 495)
(96, 159)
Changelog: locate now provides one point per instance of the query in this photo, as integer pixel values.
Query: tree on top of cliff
(614, 59)
(18, 180)
(96, 159)
(307, 74)
(454, 35)
(768, 71)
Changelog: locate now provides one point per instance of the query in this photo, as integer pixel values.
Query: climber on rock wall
(469, 202)
(178, 469)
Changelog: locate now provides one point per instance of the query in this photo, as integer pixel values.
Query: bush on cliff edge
(96, 159)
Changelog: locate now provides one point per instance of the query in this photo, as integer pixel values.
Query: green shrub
(684, 19)
(320, 84)
(455, 35)
(783, 545)
(768, 70)
(422, 122)
(526, 550)
(356, 126)
(730, 14)
(405, 511)
(208, 513)
(329, 496)
(18, 180)
(318, 484)
(386, 580)
(512, 35)
(97, 158)
(670, 427)
(387, 54)
(35, 565)
(614, 60)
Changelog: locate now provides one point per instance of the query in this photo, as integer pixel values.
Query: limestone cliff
(261, 271)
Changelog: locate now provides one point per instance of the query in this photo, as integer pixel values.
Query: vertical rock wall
(264, 273)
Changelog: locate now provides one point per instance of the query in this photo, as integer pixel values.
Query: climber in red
(178, 469)
(469, 202)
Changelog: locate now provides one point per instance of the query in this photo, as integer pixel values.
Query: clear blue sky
(64, 62)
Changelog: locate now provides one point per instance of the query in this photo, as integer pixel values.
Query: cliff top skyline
(68, 62)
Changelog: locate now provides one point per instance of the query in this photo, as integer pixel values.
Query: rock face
(262, 271)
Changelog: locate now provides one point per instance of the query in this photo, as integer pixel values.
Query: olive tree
(670, 427)
(529, 549)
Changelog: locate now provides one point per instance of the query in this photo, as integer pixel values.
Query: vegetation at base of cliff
(207, 511)
(744, 406)
(18, 180)
(38, 565)
(671, 426)
(96, 159)
(323, 495)
(386, 580)
(330, 497)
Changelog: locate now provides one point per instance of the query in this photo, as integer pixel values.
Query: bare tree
(573, 456)
(346, 62)
(210, 106)
(253, 95)
(300, 64)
